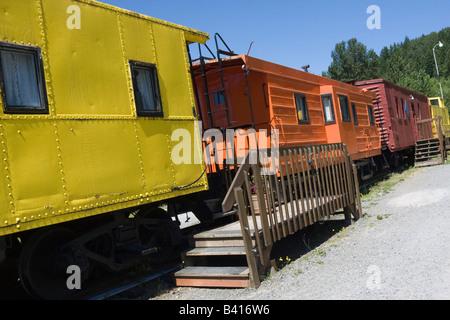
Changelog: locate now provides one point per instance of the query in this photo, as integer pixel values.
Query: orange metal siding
(272, 92)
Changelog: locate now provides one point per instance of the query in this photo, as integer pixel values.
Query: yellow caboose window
(146, 89)
(22, 80)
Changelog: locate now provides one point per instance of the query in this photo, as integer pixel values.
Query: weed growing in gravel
(320, 252)
(381, 216)
(281, 263)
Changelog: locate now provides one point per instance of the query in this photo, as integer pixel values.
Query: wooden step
(217, 258)
(425, 148)
(201, 276)
(428, 154)
(427, 140)
(428, 146)
(226, 236)
(428, 163)
(216, 251)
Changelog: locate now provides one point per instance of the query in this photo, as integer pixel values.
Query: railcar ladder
(204, 72)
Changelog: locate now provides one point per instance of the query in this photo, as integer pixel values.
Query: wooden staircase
(312, 183)
(430, 148)
(428, 152)
(217, 259)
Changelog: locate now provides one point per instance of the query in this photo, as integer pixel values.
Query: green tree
(352, 61)
(409, 63)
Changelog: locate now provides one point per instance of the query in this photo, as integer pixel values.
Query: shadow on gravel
(293, 246)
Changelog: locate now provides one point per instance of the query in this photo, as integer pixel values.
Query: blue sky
(298, 32)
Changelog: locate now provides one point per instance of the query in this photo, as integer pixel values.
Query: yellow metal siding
(34, 169)
(171, 53)
(27, 29)
(86, 65)
(440, 111)
(91, 154)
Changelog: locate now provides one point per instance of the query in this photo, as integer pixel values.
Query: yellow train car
(91, 95)
(438, 109)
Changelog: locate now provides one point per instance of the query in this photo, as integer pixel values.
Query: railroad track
(113, 289)
(108, 286)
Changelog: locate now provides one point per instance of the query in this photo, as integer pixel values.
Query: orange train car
(245, 92)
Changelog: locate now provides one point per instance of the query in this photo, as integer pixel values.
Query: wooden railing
(280, 195)
(430, 128)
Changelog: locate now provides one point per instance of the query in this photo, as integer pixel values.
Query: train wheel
(158, 233)
(42, 269)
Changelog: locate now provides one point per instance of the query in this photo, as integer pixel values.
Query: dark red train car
(397, 110)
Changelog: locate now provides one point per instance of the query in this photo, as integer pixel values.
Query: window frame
(396, 107)
(219, 97)
(434, 102)
(40, 78)
(402, 109)
(347, 108)
(371, 115)
(306, 114)
(332, 108)
(355, 115)
(140, 112)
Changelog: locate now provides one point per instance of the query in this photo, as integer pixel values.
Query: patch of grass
(320, 252)
(386, 186)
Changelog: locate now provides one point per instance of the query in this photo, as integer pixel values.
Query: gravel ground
(398, 250)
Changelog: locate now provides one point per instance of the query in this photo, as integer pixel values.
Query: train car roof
(392, 84)
(268, 67)
(191, 35)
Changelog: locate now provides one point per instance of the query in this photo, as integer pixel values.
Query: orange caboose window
(355, 115)
(345, 111)
(371, 117)
(328, 110)
(302, 108)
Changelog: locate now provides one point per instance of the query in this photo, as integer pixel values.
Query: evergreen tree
(409, 63)
(352, 61)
